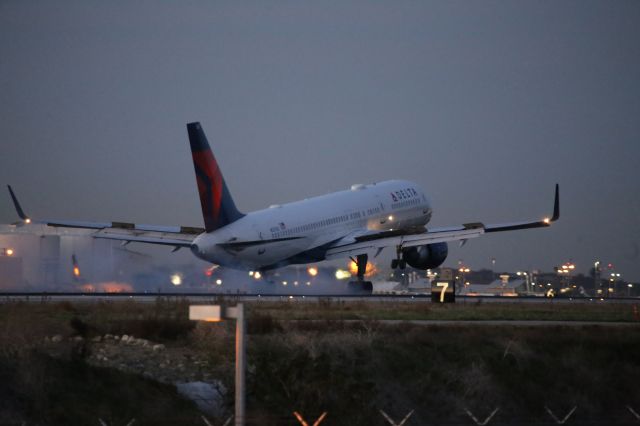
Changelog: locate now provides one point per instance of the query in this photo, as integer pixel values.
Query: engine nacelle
(426, 257)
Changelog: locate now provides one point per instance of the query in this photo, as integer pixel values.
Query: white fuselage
(302, 230)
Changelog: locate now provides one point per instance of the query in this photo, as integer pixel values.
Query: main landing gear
(360, 285)
(398, 262)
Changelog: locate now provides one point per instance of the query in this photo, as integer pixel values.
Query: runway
(207, 297)
(495, 323)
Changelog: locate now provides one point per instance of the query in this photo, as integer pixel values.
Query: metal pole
(240, 365)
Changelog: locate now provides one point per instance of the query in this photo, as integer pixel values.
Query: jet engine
(426, 257)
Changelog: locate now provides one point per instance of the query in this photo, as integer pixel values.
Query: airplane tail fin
(218, 208)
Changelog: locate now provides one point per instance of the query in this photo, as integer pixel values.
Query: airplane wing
(354, 245)
(176, 236)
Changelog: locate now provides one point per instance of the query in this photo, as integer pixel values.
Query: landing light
(176, 279)
(390, 218)
(257, 275)
(9, 252)
(251, 273)
(313, 271)
(76, 271)
(218, 281)
(547, 220)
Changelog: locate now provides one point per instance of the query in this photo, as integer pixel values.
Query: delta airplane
(356, 223)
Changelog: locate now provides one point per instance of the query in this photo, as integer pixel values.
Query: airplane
(356, 223)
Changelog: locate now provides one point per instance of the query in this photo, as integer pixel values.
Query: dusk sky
(484, 104)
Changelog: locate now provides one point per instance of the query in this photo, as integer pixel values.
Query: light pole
(463, 270)
(216, 313)
(527, 280)
(596, 278)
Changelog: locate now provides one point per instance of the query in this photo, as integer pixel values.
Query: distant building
(495, 288)
(10, 273)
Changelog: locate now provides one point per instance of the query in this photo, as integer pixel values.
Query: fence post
(636, 415)
(208, 423)
(486, 421)
(304, 423)
(558, 421)
(392, 422)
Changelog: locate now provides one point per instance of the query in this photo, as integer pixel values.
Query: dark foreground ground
(350, 369)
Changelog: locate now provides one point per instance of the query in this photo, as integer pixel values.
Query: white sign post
(215, 313)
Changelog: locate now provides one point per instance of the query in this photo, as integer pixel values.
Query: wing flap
(428, 237)
(177, 236)
(149, 237)
(370, 241)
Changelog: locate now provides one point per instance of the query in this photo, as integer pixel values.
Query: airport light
(217, 313)
(76, 271)
(341, 274)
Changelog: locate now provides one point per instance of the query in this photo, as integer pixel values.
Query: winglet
(547, 221)
(556, 205)
(18, 207)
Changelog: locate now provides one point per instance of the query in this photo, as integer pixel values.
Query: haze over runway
(484, 104)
